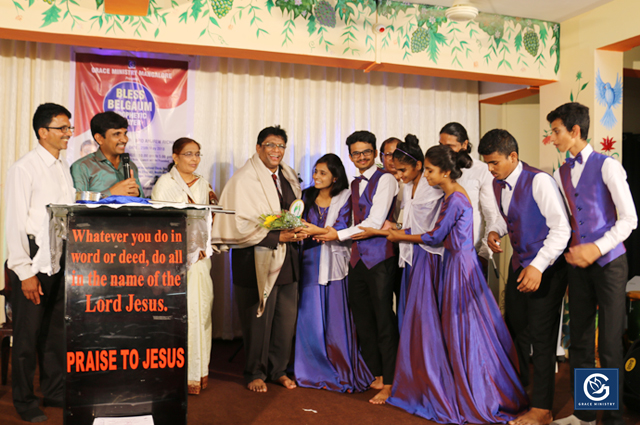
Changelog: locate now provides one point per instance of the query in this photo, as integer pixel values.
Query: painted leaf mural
(415, 34)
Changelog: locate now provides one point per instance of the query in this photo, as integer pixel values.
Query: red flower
(546, 140)
(607, 144)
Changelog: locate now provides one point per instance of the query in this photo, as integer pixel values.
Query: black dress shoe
(33, 415)
(51, 402)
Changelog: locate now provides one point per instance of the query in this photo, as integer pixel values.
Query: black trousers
(268, 338)
(602, 290)
(371, 300)
(534, 319)
(38, 336)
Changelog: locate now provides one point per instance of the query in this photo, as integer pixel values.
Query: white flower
(498, 34)
(432, 20)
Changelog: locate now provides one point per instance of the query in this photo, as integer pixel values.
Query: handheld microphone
(126, 168)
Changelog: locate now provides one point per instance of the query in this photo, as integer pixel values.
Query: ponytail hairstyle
(448, 160)
(409, 151)
(178, 145)
(458, 131)
(336, 168)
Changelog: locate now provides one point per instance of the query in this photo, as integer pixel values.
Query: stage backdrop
(152, 93)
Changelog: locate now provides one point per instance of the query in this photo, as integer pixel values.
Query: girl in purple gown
(423, 383)
(326, 352)
(480, 352)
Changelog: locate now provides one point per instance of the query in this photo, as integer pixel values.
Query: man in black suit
(265, 264)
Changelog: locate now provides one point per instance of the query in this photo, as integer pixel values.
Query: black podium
(125, 310)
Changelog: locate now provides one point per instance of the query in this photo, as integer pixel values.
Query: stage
(226, 401)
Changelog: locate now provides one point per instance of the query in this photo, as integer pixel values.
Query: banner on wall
(154, 94)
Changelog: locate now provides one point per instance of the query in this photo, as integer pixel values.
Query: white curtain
(234, 99)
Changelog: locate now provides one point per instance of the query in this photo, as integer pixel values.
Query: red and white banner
(154, 94)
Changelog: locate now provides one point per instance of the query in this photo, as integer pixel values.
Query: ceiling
(546, 10)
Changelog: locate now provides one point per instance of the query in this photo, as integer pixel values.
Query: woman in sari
(181, 184)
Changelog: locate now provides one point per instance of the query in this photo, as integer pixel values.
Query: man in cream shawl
(265, 264)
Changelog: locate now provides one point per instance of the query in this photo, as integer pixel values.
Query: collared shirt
(615, 178)
(95, 173)
(33, 182)
(381, 203)
(478, 182)
(547, 196)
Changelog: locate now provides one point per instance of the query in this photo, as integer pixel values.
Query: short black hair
(458, 131)
(272, 131)
(389, 140)
(497, 140)
(45, 113)
(361, 136)
(104, 121)
(572, 114)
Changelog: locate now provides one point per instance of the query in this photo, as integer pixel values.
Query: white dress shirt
(381, 203)
(478, 182)
(615, 178)
(549, 200)
(33, 182)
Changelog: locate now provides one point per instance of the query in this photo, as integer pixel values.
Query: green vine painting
(336, 27)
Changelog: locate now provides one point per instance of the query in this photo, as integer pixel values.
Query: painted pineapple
(419, 40)
(221, 7)
(325, 14)
(531, 42)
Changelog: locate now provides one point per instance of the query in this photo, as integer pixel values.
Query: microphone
(125, 165)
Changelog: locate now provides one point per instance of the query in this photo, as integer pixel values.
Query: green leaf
(571, 96)
(99, 3)
(518, 41)
(202, 32)
(196, 9)
(174, 3)
(269, 5)
(51, 15)
(31, 2)
(183, 17)
(214, 21)
(584, 86)
(17, 5)
(155, 34)
(311, 25)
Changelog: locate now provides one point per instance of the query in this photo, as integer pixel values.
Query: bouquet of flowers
(280, 221)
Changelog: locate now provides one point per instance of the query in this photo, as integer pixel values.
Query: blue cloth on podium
(118, 199)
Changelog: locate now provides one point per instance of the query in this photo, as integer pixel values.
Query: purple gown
(327, 355)
(480, 350)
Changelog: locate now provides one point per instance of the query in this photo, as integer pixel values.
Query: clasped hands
(128, 187)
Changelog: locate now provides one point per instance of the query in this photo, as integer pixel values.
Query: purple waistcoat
(376, 249)
(526, 224)
(593, 212)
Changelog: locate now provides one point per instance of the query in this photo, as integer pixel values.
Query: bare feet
(258, 386)
(377, 384)
(534, 416)
(382, 396)
(286, 382)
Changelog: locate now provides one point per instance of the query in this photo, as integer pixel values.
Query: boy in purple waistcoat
(535, 218)
(373, 264)
(602, 217)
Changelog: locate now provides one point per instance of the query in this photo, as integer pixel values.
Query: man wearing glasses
(39, 178)
(103, 170)
(265, 264)
(373, 264)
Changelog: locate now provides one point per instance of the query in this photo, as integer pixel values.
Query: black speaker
(631, 392)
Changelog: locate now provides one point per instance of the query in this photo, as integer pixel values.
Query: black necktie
(275, 181)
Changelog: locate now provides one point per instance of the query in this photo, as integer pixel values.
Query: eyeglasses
(366, 153)
(63, 129)
(273, 146)
(191, 154)
(387, 154)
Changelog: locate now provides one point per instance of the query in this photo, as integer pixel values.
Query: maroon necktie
(275, 181)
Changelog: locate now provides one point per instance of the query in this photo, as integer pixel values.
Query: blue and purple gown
(327, 354)
(423, 383)
(480, 350)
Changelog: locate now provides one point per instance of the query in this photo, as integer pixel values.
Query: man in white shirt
(535, 218)
(39, 178)
(373, 263)
(603, 215)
